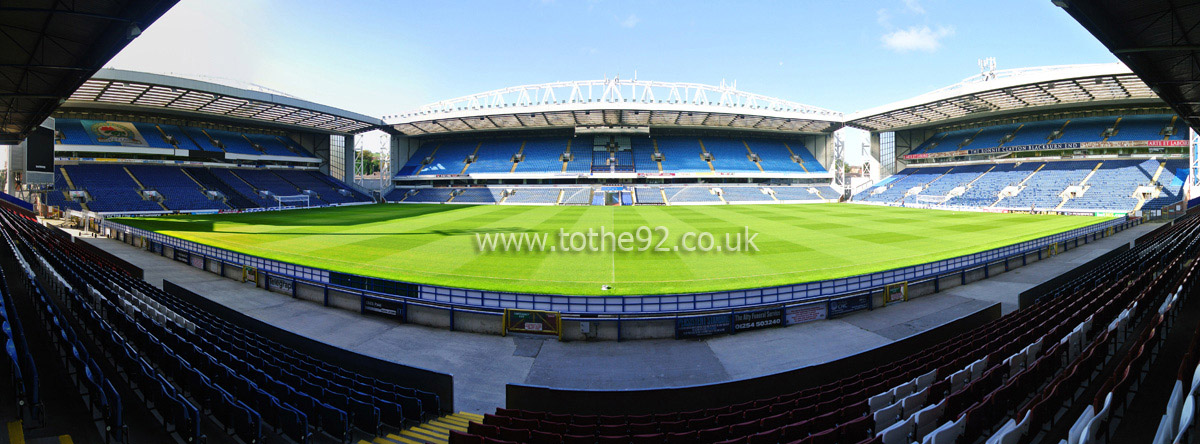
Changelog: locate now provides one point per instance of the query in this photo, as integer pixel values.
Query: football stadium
(190, 258)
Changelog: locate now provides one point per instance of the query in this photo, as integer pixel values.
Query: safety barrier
(409, 302)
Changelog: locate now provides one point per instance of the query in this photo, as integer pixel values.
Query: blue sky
(385, 57)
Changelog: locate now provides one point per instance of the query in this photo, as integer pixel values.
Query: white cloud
(630, 21)
(915, 38)
(883, 18)
(914, 6)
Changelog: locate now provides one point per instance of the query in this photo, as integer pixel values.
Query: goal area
(299, 200)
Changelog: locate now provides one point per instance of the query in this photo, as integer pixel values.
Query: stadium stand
(1110, 188)
(482, 195)
(649, 195)
(495, 156)
(681, 154)
(1171, 185)
(179, 191)
(1024, 377)
(198, 374)
(986, 190)
(577, 196)
(729, 155)
(1043, 189)
(430, 195)
(534, 195)
(799, 194)
(238, 193)
(690, 194)
(745, 194)
(775, 155)
(110, 187)
(59, 197)
(73, 132)
(544, 154)
(1088, 129)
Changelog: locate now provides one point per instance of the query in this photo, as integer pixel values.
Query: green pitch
(440, 244)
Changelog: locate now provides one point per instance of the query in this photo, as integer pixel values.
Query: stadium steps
(659, 162)
(560, 193)
(252, 144)
(135, 179)
(212, 142)
(474, 155)
(142, 187)
(564, 167)
(1116, 129)
(1173, 120)
(1082, 184)
(720, 195)
(67, 178)
(289, 147)
(1154, 180)
(709, 162)
(520, 151)
(1061, 130)
(165, 138)
(436, 431)
(235, 174)
(793, 153)
(750, 155)
(663, 192)
(1021, 184)
(980, 176)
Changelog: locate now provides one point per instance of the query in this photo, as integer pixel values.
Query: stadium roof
(1013, 90)
(1158, 39)
(157, 92)
(615, 102)
(48, 48)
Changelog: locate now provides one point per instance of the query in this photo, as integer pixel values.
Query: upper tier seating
(544, 155)
(187, 138)
(681, 154)
(1086, 129)
(729, 155)
(776, 155)
(495, 156)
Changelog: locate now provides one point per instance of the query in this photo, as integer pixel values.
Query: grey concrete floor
(483, 364)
